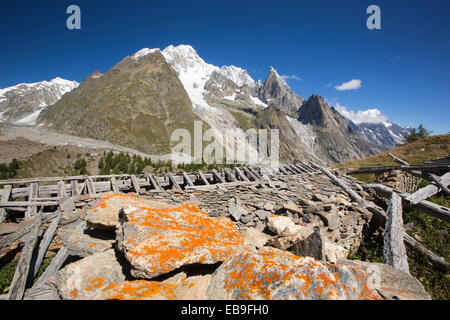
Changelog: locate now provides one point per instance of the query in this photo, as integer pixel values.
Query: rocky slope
(23, 103)
(283, 242)
(137, 103)
(172, 88)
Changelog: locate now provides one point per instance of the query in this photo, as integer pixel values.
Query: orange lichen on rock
(106, 211)
(159, 240)
(138, 290)
(279, 275)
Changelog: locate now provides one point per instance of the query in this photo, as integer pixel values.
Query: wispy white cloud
(293, 77)
(361, 116)
(349, 85)
(329, 84)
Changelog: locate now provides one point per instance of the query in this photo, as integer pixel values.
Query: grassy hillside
(414, 153)
(431, 232)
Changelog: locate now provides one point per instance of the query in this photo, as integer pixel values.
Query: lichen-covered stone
(157, 241)
(81, 279)
(390, 282)
(279, 275)
(105, 213)
(135, 290)
(81, 244)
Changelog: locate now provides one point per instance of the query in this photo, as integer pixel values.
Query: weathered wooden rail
(29, 195)
(395, 237)
(60, 195)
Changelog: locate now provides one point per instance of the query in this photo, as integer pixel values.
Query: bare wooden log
(62, 189)
(114, 186)
(355, 197)
(53, 267)
(230, 175)
(187, 180)
(282, 170)
(202, 177)
(45, 243)
(239, 173)
(394, 251)
(428, 191)
(435, 260)
(33, 193)
(421, 167)
(427, 207)
(255, 173)
(250, 174)
(19, 281)
(90, 185)
(173, 182)
(154, 182)
(135, 184)
(26, 203)
(217, 176)
(424, 175)
(74, 191)
(5, 198)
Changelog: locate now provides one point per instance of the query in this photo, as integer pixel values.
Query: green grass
(7, 274)
(433, 234)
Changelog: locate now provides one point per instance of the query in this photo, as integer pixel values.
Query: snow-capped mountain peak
(22, 103)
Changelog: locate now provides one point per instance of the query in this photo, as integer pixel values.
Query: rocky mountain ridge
(23, 103)
(223, 98)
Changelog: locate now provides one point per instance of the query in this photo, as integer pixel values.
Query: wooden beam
(217, 176)
(62, 189)
(53, 267)
(250, 174)
(427, 207)
(187, 180)
(202, 177)
(435, 260)
(424, 175)
(45, 243)
(135, 184)
(154, 182)
(421, 167)
(90, 185)
(5, 198)
(255, 173)
(114, 186)
(173, 182)
(394, 251)
(33, 193)
(282, 170)
(74, 189)
(28, 204)
(428, 191)
(353, 195)
(240, 174)
(230, 175)
(19, 281)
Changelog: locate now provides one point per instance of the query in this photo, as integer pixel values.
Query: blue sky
(404, 67)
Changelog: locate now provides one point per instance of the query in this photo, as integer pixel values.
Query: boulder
(189, 287)
(262, 214)
(312, 246)
(157, 241)
(272, 274)
(135, 290)
(391, 283)
(105, 213)
(255, 238)
(285, 226)
(81, 244)
(236, 211)
(81, 279)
